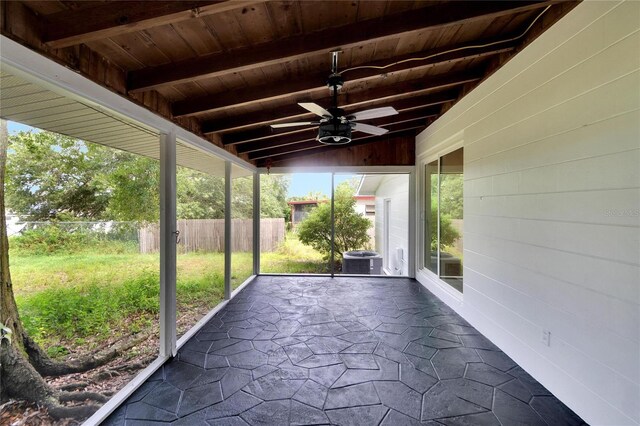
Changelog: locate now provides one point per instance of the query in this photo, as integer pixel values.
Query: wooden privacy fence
(207, 235)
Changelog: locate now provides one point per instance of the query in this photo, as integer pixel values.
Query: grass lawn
(293, 257)
(79, 301)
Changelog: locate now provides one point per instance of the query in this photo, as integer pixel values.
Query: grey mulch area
(361, 351)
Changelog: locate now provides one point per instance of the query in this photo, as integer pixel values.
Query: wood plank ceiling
(228, 69)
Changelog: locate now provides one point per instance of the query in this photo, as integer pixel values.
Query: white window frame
(424, 274)
(408, 170)
(386, 233)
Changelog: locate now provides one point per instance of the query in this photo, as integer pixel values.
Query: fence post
(168, 244)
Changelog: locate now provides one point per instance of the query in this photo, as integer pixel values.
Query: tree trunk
(22, 381)
(8, 310)
(46, 367)
(9, 315)
(18, 378)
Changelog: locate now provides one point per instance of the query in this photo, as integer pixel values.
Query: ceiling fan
(335, 126)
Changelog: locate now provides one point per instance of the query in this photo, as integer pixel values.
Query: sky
(17, 127)
(301, 183)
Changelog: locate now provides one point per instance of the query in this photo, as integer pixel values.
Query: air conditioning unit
(362, 262)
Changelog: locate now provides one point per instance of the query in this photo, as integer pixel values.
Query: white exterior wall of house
(551, 203)
(396, 189)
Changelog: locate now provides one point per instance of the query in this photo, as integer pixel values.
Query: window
(444, 217)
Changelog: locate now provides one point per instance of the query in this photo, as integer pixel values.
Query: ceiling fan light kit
(334, 132)
(335, 126)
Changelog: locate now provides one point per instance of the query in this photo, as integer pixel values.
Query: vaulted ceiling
(229, 69)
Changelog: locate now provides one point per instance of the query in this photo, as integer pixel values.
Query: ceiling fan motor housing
(334, 132)
(335, 82)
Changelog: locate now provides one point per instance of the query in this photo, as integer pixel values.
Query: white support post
(227, 230)
(168, 238)
(256, 223)
(333, 227)
(413, 226)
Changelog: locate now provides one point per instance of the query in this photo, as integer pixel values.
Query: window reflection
(444, 221)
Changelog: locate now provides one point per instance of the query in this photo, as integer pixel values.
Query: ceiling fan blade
(373, 113)
(315, 108)
(367, 128)
(300, 123)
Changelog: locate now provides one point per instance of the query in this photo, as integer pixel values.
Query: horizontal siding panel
(584, 206)
(592, 74)
(613, 171)
(618, 244)
(562, 326)
(575, 300)
(576, 143)
(610, 279)
(612, 99)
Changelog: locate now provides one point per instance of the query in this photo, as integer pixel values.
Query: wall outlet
(546, 337)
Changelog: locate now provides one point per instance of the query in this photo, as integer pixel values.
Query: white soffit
(369, 184)
(28, 103)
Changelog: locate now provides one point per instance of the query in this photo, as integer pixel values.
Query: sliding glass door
(443, 207)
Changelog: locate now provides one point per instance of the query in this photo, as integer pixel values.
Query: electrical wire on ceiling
(424, 58)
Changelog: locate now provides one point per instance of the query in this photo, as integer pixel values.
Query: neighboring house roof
(305, 202)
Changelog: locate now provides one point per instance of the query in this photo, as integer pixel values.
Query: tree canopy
(350, 227)
(54, 177)
(451, 195)
(51, 176)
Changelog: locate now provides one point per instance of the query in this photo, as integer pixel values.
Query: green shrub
(349, 226)
(52, 239)
(75, 312)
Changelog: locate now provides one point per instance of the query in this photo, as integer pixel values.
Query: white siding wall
(552, 194)
(395, 188)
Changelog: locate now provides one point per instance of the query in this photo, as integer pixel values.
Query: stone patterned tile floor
(344, 351)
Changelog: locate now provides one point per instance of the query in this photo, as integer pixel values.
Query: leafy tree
(350, 227)
(451, 195)
(448, 233)
(50, 176)
(242, 198)
(133, 182)
(273, 196)
(199, 195)
(312, 195)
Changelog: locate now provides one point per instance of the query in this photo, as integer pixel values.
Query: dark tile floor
(348, 351)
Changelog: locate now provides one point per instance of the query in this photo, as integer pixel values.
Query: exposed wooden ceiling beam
(373, 142)
(405, 107)
(71, 27)
(287, 142)
(405, 89)
(277, 153)
(276, 90)
(322, 42)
